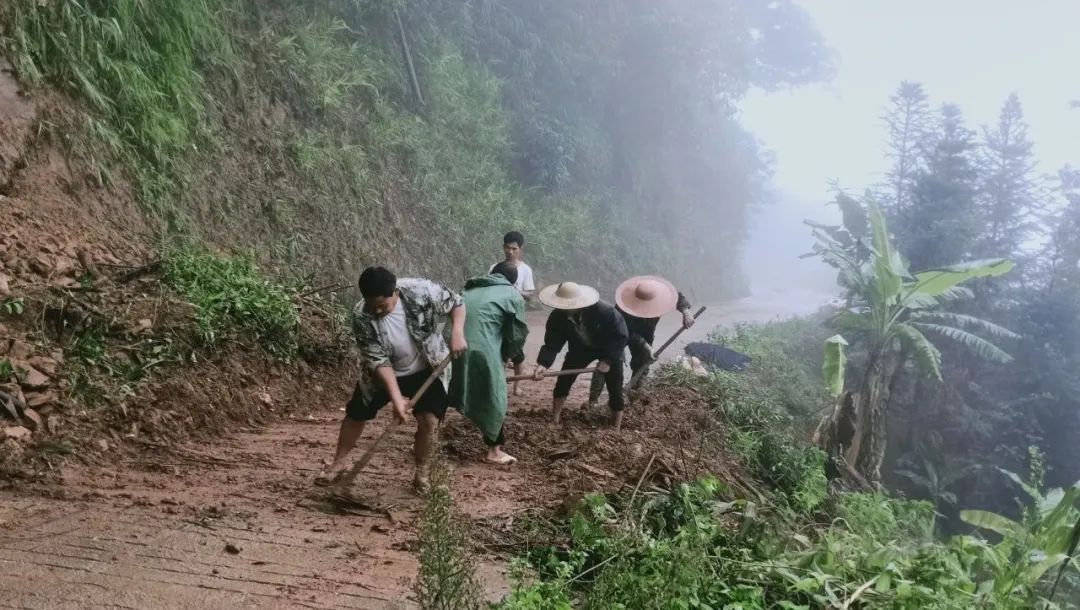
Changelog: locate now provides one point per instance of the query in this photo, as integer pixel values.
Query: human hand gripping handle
(401, 408)
(687, 319)
(350, 475)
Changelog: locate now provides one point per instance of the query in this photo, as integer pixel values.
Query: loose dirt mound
(669, 436)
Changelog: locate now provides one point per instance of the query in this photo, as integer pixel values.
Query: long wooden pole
(347, 479)
(656, 354)
(551, 374)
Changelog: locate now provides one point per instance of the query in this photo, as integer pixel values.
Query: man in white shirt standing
(513, 248)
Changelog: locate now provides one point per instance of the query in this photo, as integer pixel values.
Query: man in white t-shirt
(396, 327)
(513, 248)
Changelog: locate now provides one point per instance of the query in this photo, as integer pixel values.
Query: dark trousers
(500, 440)
(639, 359)
(582, 359)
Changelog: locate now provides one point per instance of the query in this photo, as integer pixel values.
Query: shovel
(347, 479)
(656, 355)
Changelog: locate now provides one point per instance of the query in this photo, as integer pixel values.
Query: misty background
(967, 52)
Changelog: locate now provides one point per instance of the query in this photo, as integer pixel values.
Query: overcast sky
(969, 52)
(972, 53)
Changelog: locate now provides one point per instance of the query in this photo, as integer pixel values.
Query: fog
(972, 53)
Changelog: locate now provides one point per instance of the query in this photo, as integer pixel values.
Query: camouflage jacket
(426, 305)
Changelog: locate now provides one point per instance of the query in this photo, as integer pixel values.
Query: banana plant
(1029, 549)
(892, 311)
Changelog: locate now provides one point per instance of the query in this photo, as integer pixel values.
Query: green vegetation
(959, 192)
(890, 312)
(294, 130)
(447, 578)
(699, 546)
(231, 298)
(691, 548)
(769, 409)
(13, 306)
(133, 63)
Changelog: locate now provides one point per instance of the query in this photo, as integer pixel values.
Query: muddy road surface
(237, 523)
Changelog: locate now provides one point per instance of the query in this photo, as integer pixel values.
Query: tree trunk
(873, 412)
(872, 449)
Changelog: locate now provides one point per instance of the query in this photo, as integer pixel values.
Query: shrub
(230, 296)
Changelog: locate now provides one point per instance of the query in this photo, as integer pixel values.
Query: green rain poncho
(495, 328)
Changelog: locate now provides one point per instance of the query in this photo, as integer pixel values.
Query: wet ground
(238, 524)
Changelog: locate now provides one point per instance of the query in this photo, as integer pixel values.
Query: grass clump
(230, 296)
(447, 578)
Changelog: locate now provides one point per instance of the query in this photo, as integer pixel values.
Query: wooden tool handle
(551, 374)
(667, 343)
(350, 475)
(656, 354)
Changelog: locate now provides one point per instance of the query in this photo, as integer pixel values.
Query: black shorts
(433, 401)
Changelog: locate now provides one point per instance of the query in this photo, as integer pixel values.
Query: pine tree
(1009, 193)
(939, 227)
(909, 122)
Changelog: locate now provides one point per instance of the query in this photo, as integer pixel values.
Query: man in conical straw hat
(642, 301)
(594, 331)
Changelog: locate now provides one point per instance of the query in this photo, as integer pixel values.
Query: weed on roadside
(447, 579)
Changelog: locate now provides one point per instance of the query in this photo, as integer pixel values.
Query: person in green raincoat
(495, 329)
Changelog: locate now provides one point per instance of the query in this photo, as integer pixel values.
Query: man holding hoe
(594, 330)
(642, 300)
(397, 333)
(495, 328)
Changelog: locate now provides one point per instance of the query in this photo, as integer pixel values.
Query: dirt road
(235, 524)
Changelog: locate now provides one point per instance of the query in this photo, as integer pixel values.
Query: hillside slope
(326, 136)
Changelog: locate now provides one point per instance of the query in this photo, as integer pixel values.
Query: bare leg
(556, 408)
(518, 370)
(424, 444)
(596, 386)
(350, 432)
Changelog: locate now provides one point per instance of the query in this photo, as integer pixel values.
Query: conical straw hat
(569, 295)
(647, 296)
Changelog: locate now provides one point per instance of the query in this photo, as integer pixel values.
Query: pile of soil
(669, 435)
